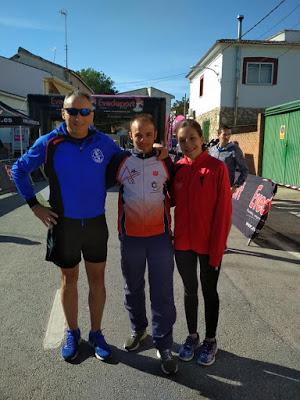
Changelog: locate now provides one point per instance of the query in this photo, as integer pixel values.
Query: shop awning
(11, 117)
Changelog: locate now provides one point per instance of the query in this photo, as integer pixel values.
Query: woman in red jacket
(203, 203)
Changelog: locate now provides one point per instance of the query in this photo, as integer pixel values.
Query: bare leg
(97, 294)
(69, 295)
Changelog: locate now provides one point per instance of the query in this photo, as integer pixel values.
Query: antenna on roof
(64, 12)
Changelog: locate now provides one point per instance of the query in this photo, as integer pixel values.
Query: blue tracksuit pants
(158, 252)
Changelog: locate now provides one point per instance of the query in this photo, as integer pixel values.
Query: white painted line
(225, 380)
(56, 325)
(297, 214)
(294, 254)
(282, 376)
(285, 247)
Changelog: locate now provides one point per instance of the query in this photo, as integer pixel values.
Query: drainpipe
(237, 68)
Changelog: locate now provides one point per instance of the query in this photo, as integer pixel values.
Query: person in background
(203, 205)
(232, 155)
(122, 133)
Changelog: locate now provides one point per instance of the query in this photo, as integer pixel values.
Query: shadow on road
(262, 255)
(231, 377)
(10, 203)
(17, 240)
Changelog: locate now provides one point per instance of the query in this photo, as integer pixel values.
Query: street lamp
(64, 12)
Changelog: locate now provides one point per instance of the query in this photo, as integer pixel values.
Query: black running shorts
(71, 237)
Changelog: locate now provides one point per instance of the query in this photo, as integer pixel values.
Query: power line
(266, 16)
(279, 22)
(230, 44)
(152, 80)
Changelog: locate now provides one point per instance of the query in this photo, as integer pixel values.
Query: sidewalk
(284, 216)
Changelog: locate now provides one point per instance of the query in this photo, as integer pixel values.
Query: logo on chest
(129, 175)
(97, 156)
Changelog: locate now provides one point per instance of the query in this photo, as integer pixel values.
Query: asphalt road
(258, 335)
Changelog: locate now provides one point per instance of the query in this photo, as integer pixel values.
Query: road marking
(282, 376)
(56, 325)
(225, 380)
(285, 247)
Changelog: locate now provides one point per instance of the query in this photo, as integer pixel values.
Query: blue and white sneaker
(187, 350)
(102, 349)
(207, 353)
(69, 350)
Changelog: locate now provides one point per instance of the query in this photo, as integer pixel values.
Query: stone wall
(225, 115)
(248, 132)
(245, 116)
(213, 117)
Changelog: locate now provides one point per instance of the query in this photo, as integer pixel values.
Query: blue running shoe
(102, 349)
(69, 350)
(207, 353)
(187, 350)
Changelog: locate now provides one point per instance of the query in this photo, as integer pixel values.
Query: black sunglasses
(84, 112)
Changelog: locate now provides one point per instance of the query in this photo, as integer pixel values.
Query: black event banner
(251, 204)
(6, 182)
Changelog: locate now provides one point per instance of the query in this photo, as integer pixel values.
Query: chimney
(240, 19)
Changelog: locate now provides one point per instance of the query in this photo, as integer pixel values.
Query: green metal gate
(205, 129)
(281, 152)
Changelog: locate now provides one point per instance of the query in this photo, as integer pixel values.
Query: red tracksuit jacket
(203, 206)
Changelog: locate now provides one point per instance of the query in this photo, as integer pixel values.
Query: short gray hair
(76, 94)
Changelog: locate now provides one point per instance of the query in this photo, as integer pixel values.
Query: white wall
(254, 96)
(287, 35)
(288, 82)
(20, 79)
(211, 88)
(228, 77)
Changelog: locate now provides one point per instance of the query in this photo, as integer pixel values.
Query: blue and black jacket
(76, 170)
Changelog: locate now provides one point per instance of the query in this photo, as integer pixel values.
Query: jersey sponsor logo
(155, 186)
(97, 156)
(155, 173)
(129, 175)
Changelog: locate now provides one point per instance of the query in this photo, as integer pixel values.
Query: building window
(201, 86)
(260, 71)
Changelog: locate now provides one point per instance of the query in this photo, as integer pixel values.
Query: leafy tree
(178, 106)
(97, 81)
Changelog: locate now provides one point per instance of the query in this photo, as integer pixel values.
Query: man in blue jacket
(75, 156)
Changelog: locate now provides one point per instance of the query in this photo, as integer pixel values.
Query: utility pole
(64, 12)
(184, 105)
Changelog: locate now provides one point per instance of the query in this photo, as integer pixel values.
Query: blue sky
(134, 42)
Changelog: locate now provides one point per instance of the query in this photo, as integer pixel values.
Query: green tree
(97, 81)
(178, 106)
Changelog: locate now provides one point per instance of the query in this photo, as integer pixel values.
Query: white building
(237, 79)
(25, 73)
(151, 92)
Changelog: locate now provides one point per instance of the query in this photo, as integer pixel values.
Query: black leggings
(187, 266)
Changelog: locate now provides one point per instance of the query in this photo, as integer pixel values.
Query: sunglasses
(84, 112)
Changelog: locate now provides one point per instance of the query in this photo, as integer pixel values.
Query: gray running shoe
(134, 341)
(207, 353)
(169, 364)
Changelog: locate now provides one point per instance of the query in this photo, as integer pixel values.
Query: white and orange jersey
(144, 207)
